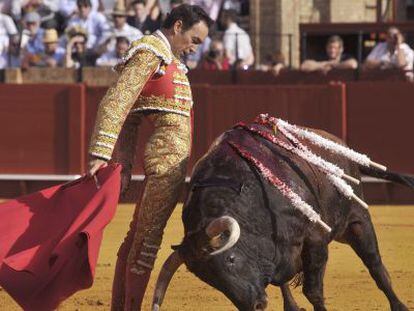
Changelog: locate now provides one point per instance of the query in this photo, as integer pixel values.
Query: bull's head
(223, 253)
(230, 230)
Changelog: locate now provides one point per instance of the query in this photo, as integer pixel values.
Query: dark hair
(87, 3)
(122, 39)
(230, 14)
(189, 15)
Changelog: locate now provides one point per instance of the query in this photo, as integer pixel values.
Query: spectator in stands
(112, 57)
(32, 36)
(120, 28)
(156, 15)
(334, 58)
(77, 54)
(13, 8)
(4, 51)
(215, 58)
(93, 22)
(14, 57)
(274, 63)
(232, 5)
(7, 30)
(164, 5)
(52, 4)
(48, 18)
(10, 51)
(212, 7)
(7, 26)
(141, 18)
(236, 42)
(68, 8)
(394, 53)
(53, 55)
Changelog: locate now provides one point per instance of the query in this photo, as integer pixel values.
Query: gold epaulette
(150, 43)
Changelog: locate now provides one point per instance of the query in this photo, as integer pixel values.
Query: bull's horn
(217, 227)
(168, 269)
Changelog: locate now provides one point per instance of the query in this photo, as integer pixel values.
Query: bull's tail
(403, 179)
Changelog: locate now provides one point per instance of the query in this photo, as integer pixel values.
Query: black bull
(242, 234)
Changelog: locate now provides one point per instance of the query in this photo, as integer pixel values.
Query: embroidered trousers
(165, 162)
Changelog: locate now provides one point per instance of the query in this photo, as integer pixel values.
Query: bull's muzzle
(260, 304)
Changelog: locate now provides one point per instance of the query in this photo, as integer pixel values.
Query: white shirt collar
(163, 38)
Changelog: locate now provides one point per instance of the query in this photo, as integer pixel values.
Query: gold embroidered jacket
(151, 78)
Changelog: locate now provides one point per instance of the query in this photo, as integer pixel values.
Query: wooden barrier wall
(218, 108)
(42, 129)
(380, 122)
(45, 129)
(105, 76)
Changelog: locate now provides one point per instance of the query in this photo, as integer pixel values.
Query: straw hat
(119, 8)
(76, 30)
(50, 36)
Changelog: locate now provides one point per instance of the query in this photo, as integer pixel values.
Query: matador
(152, 84)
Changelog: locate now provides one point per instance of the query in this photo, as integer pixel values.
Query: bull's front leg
(289, 303)
(314, 258)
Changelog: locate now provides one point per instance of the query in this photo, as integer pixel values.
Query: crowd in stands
(78, 33)
(393, 53)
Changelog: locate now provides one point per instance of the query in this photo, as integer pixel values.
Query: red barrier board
(42, 129)
(380, 122)
(218, 108)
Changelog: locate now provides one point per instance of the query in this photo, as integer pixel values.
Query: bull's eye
(231, 260)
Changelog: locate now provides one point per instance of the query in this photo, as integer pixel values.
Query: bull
(242, 234)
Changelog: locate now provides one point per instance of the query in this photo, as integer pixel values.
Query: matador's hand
(94, 165)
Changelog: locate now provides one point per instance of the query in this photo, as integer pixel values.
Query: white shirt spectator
(7, 60)
(109, 59)
(212, 7)
(234, 35)
(4, 47)
(165, 6)
(13, 7)
(96, 25)
(52, 4)
(382, 54)
(69, 7)
(232, 5)
(127, 31)
(7, 26)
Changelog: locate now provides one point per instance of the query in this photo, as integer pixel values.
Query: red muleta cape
(49, 240)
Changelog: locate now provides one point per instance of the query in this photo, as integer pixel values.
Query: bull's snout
(260, 304)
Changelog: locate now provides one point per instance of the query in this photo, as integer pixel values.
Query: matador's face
(187, 41)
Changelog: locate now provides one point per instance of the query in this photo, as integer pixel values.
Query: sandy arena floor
(348, 285)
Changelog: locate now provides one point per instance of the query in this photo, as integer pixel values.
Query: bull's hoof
(399, 306)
